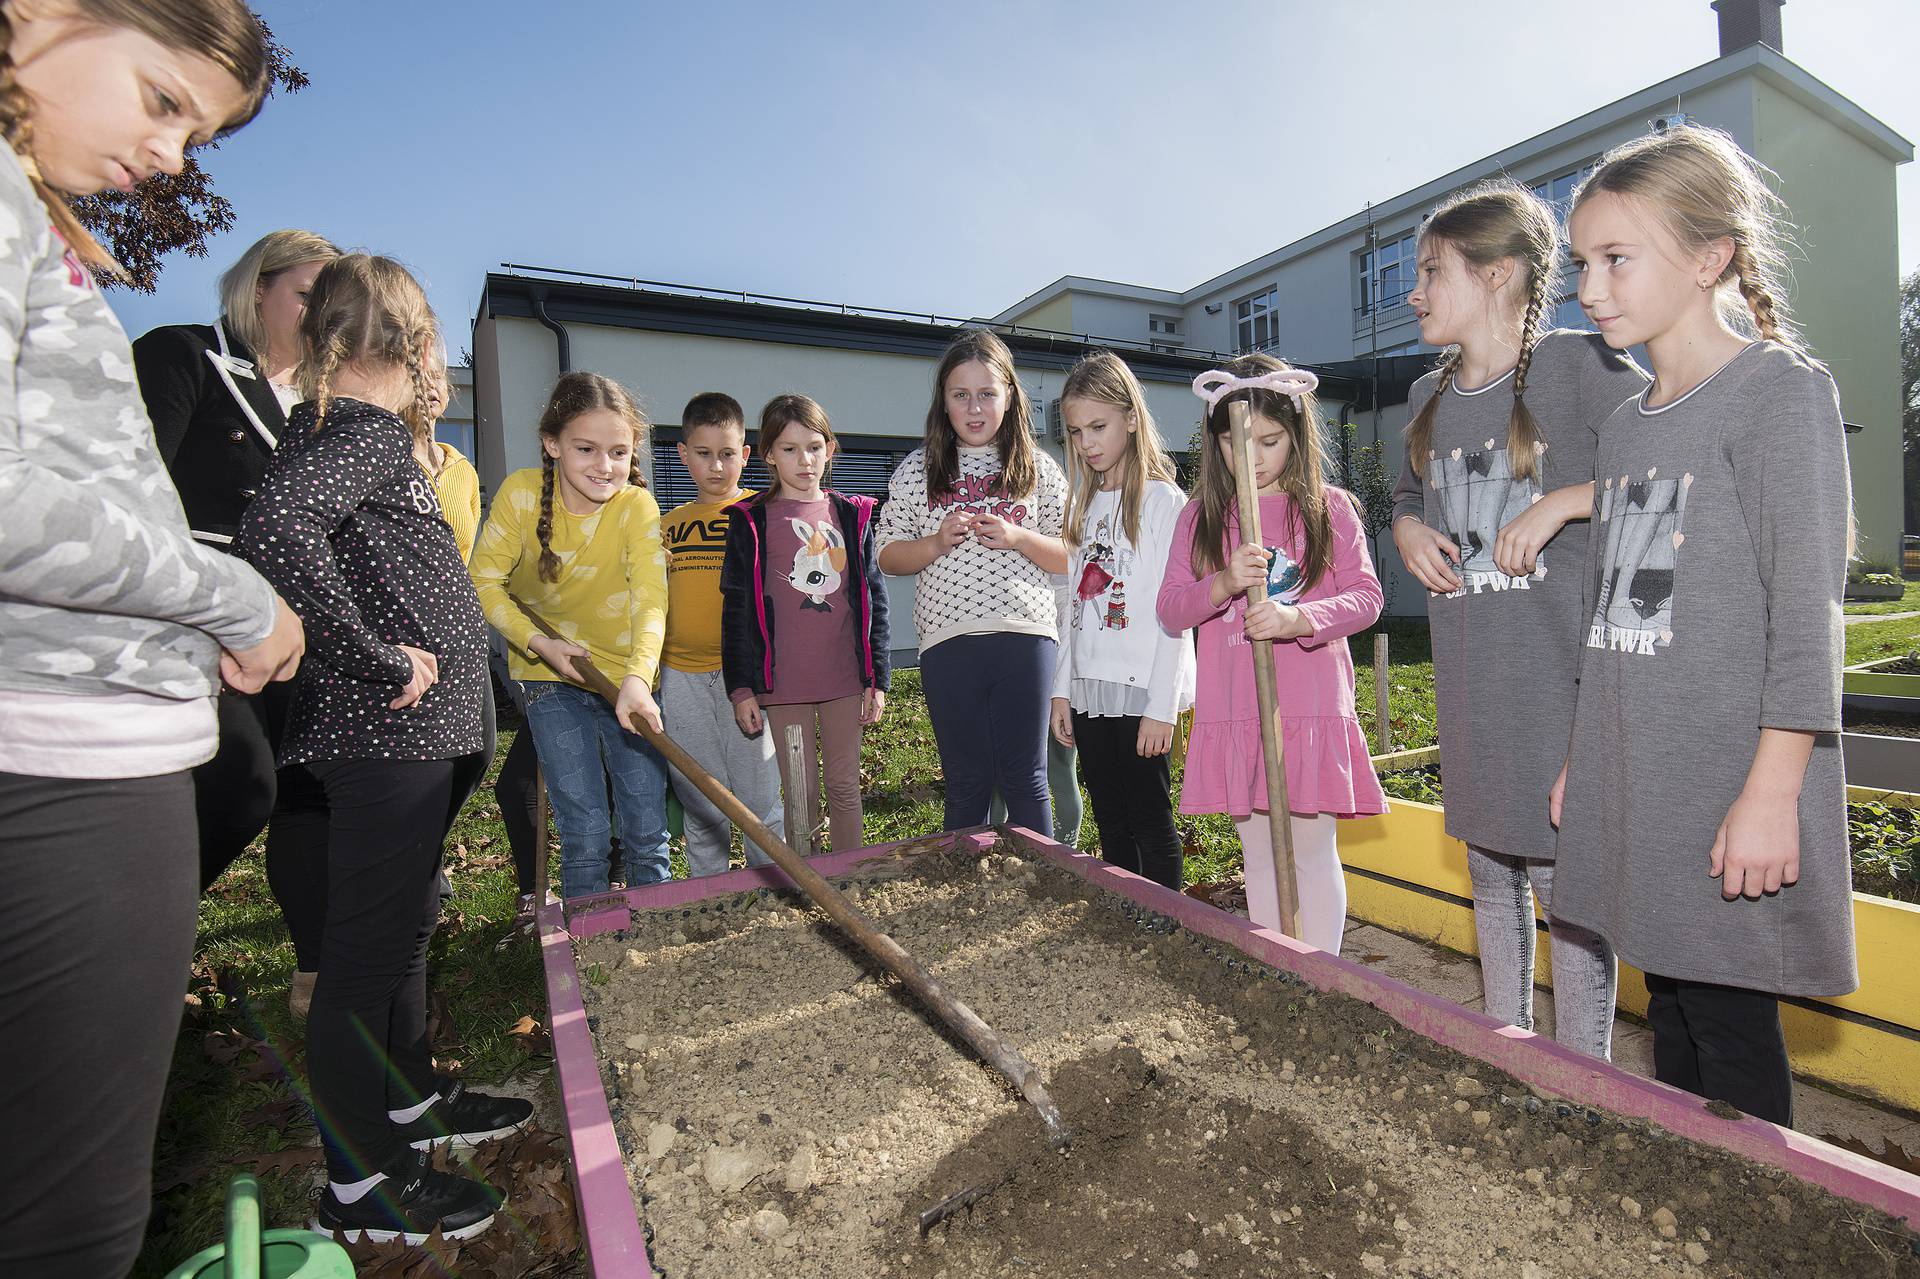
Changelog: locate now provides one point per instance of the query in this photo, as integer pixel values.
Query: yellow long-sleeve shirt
(612, 592)
(458, 486)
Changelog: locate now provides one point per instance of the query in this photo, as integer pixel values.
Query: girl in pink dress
(1321, 589)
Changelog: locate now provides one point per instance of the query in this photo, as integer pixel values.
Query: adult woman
(218, 395)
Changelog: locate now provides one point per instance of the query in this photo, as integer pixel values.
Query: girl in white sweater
(1122, 679)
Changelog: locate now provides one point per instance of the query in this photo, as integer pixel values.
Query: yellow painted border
(1410, 858)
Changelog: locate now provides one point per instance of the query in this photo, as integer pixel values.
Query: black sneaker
(410, 1205)
(463, 1118)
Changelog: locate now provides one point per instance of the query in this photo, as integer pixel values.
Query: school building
(1334, 301)
(1340, 294)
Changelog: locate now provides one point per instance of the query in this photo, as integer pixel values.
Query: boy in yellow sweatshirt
(693, 693)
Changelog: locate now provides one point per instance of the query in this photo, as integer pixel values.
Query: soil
(1882, 723)
(787, 1110)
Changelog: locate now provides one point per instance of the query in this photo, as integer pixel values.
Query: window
(1558, 192)
(458, 434)
(1255, 320)
(864, 471)
(1163, 324)
(1387, 273)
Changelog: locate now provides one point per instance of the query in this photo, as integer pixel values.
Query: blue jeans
(987, 697)
(581, 748)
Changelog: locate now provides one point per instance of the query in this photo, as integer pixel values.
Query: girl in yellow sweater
(578, 542)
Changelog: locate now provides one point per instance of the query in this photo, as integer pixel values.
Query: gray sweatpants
(1584, 974)
(699, 715)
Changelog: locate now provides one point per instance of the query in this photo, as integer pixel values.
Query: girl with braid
(117, 628)
(387, 723)
(578, 542)
(1490, 515)
(1702, 811)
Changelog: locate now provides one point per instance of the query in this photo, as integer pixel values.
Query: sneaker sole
(468, 1140)
(360, 1234)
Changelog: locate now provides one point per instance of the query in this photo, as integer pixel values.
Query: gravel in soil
(786, 1109)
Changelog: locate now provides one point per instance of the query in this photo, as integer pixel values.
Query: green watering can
(249, 1253)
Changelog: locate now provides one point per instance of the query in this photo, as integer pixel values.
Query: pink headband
(1216, 384)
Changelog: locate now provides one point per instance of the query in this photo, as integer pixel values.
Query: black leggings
(233, 793)
(298, 843)
(1723, 1043)
(1131, 798)
(367, 1049)
(516, 790)
(94, 947)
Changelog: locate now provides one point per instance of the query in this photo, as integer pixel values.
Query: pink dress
(1328, 770)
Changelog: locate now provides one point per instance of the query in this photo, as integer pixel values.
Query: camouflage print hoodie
(102, 588)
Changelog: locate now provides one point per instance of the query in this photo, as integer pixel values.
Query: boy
(693, 696)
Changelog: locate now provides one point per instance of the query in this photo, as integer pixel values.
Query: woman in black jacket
(219, 395)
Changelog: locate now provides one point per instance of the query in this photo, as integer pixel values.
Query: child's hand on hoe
(1272, 620)
(636, 698)
(559, 656)
(746, 713)
(1246, 568)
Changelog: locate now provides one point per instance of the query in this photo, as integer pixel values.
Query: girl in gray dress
(1702, 809)
(1490, 514)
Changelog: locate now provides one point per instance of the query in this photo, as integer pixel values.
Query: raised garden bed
(1245, 1105)
(1405, 873)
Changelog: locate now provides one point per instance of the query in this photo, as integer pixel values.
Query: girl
(1494, 489)
(804, 614)
(1704, 740)
(976, 511)
(1122, 679)
(579, 542)
(219, 395)
(1321, 589)
(387, 722)
(116, 627)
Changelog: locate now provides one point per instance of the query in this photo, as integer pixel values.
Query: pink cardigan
(1328, 770)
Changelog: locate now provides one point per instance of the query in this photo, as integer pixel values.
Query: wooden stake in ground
(966, 1023)
(1380, 692)
(799, 825)
(1278, 820)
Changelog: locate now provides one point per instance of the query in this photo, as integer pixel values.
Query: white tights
(1316, 868)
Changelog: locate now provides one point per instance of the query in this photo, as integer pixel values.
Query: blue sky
(948, 158)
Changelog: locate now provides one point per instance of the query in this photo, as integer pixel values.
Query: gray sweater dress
(1506, 650)
(1716, 570)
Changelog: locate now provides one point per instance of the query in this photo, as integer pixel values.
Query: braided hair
(368, 311)
(1705, 189)
(574, 394)
(1488, 223)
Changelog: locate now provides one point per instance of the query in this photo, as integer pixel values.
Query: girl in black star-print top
(388, 725)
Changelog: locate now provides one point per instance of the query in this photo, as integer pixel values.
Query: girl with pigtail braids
(1702, 808)
(578, 542)
(387, 722)
(1490, 516)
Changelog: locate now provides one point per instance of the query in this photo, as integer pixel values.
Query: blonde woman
(219, 395)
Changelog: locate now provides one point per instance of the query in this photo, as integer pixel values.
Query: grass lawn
(1909, 602)
(1871, 641)
(234, 1097)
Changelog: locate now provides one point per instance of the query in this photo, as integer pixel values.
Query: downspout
(560, 338)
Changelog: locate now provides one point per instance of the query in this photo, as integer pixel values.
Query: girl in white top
(976, 514)
(1122, 678)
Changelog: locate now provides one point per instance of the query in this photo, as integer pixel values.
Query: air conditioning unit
(1674, 120)
(1056, 423)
